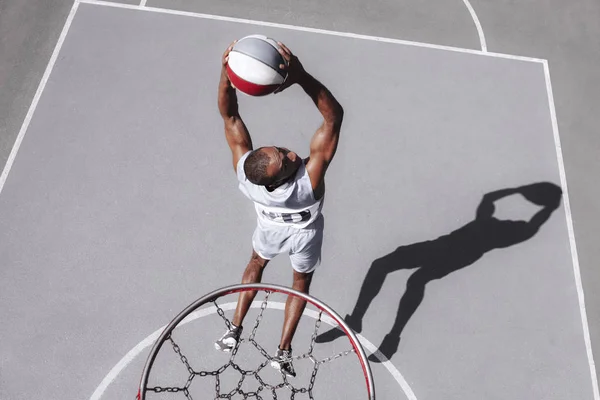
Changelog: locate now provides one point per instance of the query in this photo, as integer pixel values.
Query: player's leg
(305, 256)
(252, 274)
(294, 307)
(266, 244)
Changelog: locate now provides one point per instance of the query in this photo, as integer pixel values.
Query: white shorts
(303, 245)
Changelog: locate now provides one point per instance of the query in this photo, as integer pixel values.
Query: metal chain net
(264, 388)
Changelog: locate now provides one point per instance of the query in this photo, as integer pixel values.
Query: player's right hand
(225, 57)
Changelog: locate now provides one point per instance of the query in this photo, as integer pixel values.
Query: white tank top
(292, 204)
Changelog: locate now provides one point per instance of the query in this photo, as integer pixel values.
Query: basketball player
(287, 192)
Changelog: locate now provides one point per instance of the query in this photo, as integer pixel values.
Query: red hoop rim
(227, 290)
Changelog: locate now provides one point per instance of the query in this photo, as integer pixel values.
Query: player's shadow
(437, 258)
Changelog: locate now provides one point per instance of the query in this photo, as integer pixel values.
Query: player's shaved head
(257, 168)
(271, 166)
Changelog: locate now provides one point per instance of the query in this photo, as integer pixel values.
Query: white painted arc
(252, 70)
(149, 341)
(478, 26)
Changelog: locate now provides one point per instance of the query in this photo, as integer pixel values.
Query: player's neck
(271, 188)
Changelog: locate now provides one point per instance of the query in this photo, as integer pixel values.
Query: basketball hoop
(264, 388)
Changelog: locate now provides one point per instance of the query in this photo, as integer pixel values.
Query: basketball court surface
(120, 208)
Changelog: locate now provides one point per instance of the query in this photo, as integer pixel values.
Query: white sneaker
(283, 362)
(229, 340)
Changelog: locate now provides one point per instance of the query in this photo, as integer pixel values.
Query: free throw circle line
(150, 339)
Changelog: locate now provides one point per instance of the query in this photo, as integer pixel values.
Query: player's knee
(302, 280)
(303, 277)
(257, 261)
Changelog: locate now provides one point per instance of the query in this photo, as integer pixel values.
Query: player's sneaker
(283, 362)
(229, 339)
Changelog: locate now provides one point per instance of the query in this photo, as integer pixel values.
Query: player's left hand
(293, 67)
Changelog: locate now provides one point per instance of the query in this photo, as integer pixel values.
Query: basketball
(253, 66)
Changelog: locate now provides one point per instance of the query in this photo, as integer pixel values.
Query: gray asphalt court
(446, 226)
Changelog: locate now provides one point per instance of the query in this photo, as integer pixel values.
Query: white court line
(143, 3)
(149, 341)
(312, 30)
(36, 97)
(477, 25)
(571, 231)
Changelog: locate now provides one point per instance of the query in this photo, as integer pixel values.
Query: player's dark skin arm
(323, 146)
(324, 142)
(326, 103)
(239, 141)
(236, 133)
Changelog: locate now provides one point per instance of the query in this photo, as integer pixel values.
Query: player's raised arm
(236, 132)
(324, 142)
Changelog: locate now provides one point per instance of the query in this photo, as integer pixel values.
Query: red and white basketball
(253, 65)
